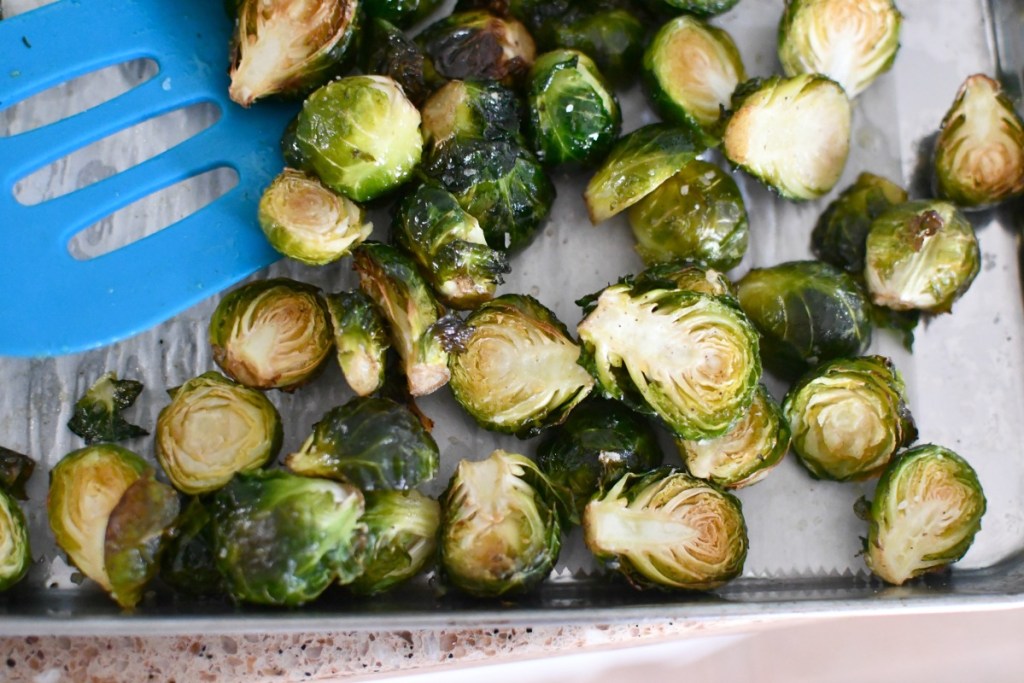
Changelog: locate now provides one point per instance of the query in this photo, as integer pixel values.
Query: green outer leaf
(97, 417)
(15, 552)
(15, 471)
(484, 110)
(401, 13)
(361, 339)
(187, 563)
(613, 37)
(388, 51)
(701, 8)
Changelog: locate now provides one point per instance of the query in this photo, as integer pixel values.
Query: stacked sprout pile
(458, 128)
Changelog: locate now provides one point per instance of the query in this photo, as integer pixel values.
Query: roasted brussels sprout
(689, 358)
(15, 471)
(667, 529)
(97, 416)
(516, 369)
(212, 429)
(271, 334)
(188, 564)
(689, 276)
(282, 539)
(401, 13)
(806, 312)
(449, 245)
(574, 116)
(638, 163)
(696, 215)
(852, 42)
(465, 110)
(979, 154)
(393, 283)
(403, 528)
(927, 508)
(389, 52)
(288, 47)
(372, 443)
(361, 340)
(702, 8)
(500, 530)
(848, 417)
(360, 135)
(305, 221)
(791, 134)
(477, 45)
(840, 233)
(920, 255)
(15, 552)
(745, 454)
(599, 442)
(691, 70)
(612, 36)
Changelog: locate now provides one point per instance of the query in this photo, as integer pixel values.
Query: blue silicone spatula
(52, 303)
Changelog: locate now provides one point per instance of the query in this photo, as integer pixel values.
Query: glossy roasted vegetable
(702, 8)
(792, 134)
(500, 529)
(979, 154)
(807, 312)
(471, 110)
(666, 529)
(696, 215)
(288, 47)
(212, 429)
(271, 334)
(516, 369)
(848, 418)
(188, 564)
(97, 416)
(689, 276)
(613, 37)
(477, 45)
(282, 539)
(921, 255)
(927, 509)
(15, 552)
(852, 42)
(401, 13)
(361, 340)
(15, 471)
(388, 51)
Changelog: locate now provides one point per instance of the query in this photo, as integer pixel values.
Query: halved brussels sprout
(927, 509)
(371, 443)
(394, 284)
(288, 47)
(271, 334)
(449, 245)
(403, 529)
(702, 8)
(516, 370)
(612, 36)
(667, 529)
(97, 417)
(691, 70)
(689, 276)
(401, 13)
(638, 163)
(791, 134)
(361, 339)
(500, 530)
(920, 255)
(848, 418)
(689, 358)
(188, 564)
(842, 230)
(574, 116)
(212, 429)
(477, 45)
(15, 471)
(745, 454)
(696, 215)
(387, 51)
(360, 135)
(806, 312)
(852, 42)
(599, 442)
(305, 221)
(15, 552)
(979, 154)
(485, 110)
(282, 539)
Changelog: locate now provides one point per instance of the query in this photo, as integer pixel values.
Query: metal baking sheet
(965, 376)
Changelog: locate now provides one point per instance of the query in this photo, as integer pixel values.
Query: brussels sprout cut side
(97, 417)
(15, 553)
(403, 529)
(479, 46)
(361, 339)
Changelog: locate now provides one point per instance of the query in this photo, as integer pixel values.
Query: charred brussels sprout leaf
(500, 530)
(666, 529)
(696, 215)
(613, 37)
(791, 134)
(360, 135)
(271, 334)
(806, 312)
(979, 154)
(15, 471)
(402, 13)
(212, 429)
(187, 563)
(403, 528)
(927, 508)
(842, 230)
(479, 46)
(691, 70)
(852, 42)
(389, 52)
(516, 370)
(97, 415)
(361, 339)
(921, 255)
(574, 116)
(282, 539)
(288, 47)
(372, 443)
(465, 110)
(689, 276)
(848, 417)
(15, 552)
